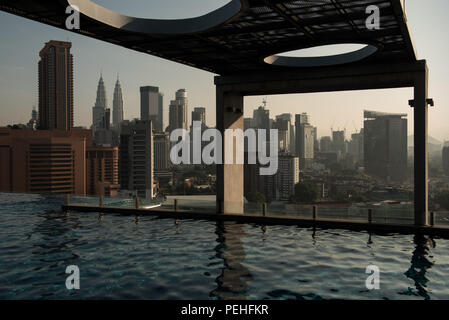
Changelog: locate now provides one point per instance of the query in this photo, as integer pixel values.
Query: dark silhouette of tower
(56, 86)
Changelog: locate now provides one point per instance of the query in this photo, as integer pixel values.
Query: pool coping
(440, 231)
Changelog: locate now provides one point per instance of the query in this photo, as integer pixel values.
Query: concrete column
(421, 148)
(230, 177)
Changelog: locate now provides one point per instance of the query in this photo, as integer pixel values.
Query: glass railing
(379, 213)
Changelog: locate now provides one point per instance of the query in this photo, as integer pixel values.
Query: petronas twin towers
(117, 105)
(101, 112)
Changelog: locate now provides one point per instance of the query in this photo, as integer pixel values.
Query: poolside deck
(440, 231)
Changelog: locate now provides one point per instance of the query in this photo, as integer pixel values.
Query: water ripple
(121, 258)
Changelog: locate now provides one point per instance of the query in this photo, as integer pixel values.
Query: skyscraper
(161, 152)
(292, 138)
(446, 160)
(101, 104)
(283, 126)
(178, 111)
(356, 146)
(151, 106)
(338, 142)
(56, 86)
(286, 177)
(34, 121)
(385, 145)
(326, 144)
(261, 117)
(117, 105)
(305, 141)
(136, 158)
(199, 114)
(101, 117)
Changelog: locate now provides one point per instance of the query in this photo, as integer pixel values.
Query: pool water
(121, 257)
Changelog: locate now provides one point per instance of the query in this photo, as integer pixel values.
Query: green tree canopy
(256, 197)
(306, 192)
(443, 199)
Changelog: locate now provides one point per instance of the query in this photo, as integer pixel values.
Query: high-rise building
(101, 104)
(326, 144)
(56, 86)
(117, 105)
(151, 106)
(136, 158)
(199, 114)
(34, 114)
(283, 126)
(102, 171)
(103, 134)
(302, 118)
(161, 151)
(261, 118)
(101, 118)
(44, 161)
(446, 160)
(287, 176)
(262, 121)
(385, 145)
(338, 142)
(34, 121)
(355, 147)
(288, 117)
(316, 144)
(178, 111)
(305, 141)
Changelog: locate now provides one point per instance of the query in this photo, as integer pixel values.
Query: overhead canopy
(241, 35)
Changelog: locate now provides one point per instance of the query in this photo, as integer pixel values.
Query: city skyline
(19, 90)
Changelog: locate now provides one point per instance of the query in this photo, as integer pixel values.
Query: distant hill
(432, 140)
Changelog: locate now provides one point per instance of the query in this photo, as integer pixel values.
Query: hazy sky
(22, 39)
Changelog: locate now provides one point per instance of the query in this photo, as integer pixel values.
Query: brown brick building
(56, 86)
(102, 171)
(56, 161)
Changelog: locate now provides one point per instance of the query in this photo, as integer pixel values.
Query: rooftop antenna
(264, 102)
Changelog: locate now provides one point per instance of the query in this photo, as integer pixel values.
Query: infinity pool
(120, 257)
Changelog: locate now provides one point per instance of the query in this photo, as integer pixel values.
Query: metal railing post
(136, 202)
(315, 212)
(370, 215)
(101, 201)
(67, 199)
(432, 218)
(176, 205)
(264, 209)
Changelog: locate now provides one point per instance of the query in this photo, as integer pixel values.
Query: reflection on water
(233, 281)
(420, 265)
(128, 257)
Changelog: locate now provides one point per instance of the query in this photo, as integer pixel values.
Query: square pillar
(421, 148)
(230, 177)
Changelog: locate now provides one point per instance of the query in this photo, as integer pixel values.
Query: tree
(305, 192)
(443, 199)
(256, 197)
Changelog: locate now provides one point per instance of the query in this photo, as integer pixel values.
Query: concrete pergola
(241, 42)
